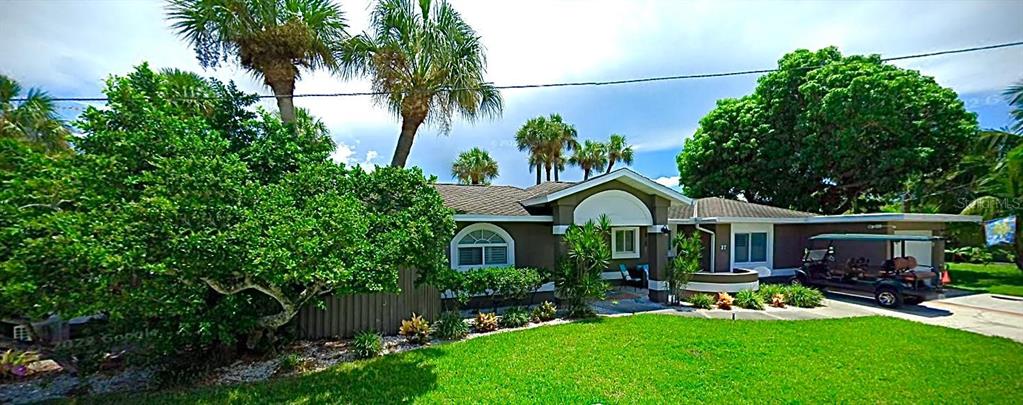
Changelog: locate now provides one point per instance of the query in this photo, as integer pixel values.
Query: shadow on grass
(983, 278)
(388, 379)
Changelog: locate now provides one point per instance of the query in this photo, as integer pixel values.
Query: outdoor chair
(630, 277)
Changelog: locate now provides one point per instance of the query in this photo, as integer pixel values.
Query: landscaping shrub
(14, 364)
(803, 296)
(450, 325)
(502, 284)
(577, 276)
(514, 318)
(368, 344)
(416, 330)
(724, 301)
(289, 362)
(970, 254)
(486, 322)
(703, 301)
(544, 312)
(749, 299)
(687, 261)
(777, 300)
(767, 291)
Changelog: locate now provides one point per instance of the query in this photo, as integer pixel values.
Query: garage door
(920, 250)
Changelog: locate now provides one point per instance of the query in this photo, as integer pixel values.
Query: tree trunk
(409, 125)
(538, 169)
(283, 90)
(556, 173)
(610, 164)
(547, 168)
(586, 174)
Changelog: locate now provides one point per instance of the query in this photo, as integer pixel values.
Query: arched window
(482, 245)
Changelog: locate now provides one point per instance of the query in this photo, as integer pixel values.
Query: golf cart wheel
(888, 297)
(797, 280)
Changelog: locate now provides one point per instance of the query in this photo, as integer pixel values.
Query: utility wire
(600, 83)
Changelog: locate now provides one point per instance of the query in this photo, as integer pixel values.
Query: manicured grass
(995, 278)
(668, 359)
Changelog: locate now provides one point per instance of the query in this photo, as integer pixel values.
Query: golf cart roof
(874, 237)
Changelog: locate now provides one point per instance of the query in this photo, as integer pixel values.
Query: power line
(601, 83)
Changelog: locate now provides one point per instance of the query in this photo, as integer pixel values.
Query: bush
(767, 291)
(486, 322)
(14, 364)
(416, 330)
(724, 300)
(514, 318)
(502, 284)
(368, 344)
(577, 276)
(545, 312)
(970, 254)
(450, 326)
(703, 301)
(289, 362)
(777, 300)
(749, 299)
(802, 296)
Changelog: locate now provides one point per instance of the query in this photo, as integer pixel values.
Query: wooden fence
(346, 315)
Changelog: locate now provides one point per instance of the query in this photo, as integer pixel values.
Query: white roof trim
(835, 219)
(502, 218)
(655, 187)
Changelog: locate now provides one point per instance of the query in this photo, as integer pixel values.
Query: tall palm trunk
(556, 173)
(610, 164)
(409, 125)
(284, 89)
(586, 173)
(547, 169)
(539, 167)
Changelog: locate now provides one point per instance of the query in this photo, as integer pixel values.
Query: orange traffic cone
(945, 279)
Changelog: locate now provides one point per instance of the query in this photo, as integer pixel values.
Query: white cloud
(347, 154)
(672, 181)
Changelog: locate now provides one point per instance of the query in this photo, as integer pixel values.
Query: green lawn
(667, 359)
(995, 278)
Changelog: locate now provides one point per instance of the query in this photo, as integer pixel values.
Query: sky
(69, 47)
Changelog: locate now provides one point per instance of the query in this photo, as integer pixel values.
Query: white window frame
(615, 254)
(486, 226)
(21, 333)
(750, 228)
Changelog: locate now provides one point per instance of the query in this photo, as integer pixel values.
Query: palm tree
(560, 136)
(589, 156)
(531, 137)
(273, 39)
(1014, 94)
(33, 120)
(425, 63)
(474, 166)
(618, 150)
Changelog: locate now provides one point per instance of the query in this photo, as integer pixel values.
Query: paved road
(986, 314)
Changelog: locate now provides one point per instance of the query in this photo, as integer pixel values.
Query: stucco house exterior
(505, 225)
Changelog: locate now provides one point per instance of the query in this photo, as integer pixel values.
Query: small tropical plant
(368, 344)
(778, 300)
(724, 301)
(514, 317)
(590, 157)
(803, 296)
(544, 312)
(702, 301)
(577, 277)
(289, 362)
(451, 326)
(14, 364)
(618, 150)
(486, 322)
(416, 330)
(474, 166)
(767, 291)
(688, 256)
(749, 299)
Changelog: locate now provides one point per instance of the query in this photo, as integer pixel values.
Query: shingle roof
(723, 207)
(493, 200)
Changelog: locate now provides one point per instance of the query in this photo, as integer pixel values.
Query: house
(505, 225)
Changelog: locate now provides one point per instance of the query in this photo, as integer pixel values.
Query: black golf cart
(892, 282)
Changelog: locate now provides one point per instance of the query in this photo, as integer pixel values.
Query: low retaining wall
(734, 281)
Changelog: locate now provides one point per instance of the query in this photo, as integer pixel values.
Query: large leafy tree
(827, 133)
(34, 119)
(203, 224)
(1014, 94)
(474, 166)
(618, 150)
(426, 64)
(273, 39)
(590, 156)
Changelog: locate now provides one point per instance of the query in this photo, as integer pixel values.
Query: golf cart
(892, 282)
